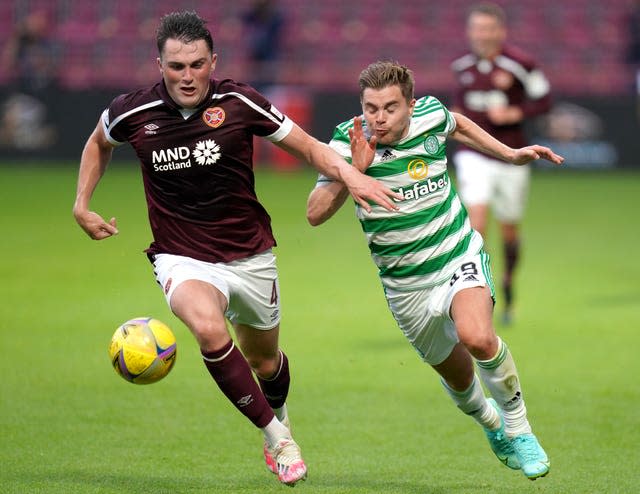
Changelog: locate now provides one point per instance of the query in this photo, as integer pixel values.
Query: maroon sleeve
(537, 98)
(531, 108)
(116, 130)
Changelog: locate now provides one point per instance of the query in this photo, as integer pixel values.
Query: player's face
(186, 69)
(486, 34)
(387, 113)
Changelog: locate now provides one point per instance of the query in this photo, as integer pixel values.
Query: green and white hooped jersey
(421, 244)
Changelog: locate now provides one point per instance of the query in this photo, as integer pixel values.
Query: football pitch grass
(370, 417)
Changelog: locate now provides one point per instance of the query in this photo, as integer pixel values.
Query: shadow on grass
(146, 481)
(85, 482)
(379, 485)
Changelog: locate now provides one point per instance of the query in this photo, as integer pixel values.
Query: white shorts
(424, 316)
(250, 285)
(483, 180)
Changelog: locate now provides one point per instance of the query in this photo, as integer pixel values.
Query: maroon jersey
(197, 167)
(511, 79)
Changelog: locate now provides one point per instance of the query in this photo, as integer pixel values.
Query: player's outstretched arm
(93, 163)
(361, 187)
(326, 199)
(469, 133)
(527, 154)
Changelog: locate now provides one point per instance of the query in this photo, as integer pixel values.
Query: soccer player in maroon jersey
(498, 87)
(212, 239)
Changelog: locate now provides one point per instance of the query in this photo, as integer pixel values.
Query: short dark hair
(383, 74)
(490, 9)
(186, 26)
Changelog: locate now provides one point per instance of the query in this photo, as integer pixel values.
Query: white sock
(282, 414)
(500, 376)
(473, 402)
(274, 432)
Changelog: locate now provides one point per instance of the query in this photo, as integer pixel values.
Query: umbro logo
(151, 129)
(387, 155)
(245, 400)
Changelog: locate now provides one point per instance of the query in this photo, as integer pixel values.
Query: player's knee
(211, 335)
(483, 345)
(264, 366)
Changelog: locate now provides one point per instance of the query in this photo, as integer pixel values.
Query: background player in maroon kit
(212, 239)
(498, 87)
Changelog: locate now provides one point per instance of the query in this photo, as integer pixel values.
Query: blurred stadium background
(69, 425)
(95, 50)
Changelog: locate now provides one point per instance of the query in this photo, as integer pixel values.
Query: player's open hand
(364, 189)
(362, 150)
(96, 227)
(527, 154)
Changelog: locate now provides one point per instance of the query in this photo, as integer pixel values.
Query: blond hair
(382, 74)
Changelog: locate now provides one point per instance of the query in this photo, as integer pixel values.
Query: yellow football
(143, 350)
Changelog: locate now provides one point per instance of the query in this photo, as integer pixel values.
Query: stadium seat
(581, 44)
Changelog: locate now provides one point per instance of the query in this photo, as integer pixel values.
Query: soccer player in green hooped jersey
(435, 274)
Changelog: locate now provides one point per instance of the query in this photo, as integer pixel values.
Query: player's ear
(159, 61)
(412, 105)
(214, 60)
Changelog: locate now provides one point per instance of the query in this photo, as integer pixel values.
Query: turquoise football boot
(500, 442)
(533, 460)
